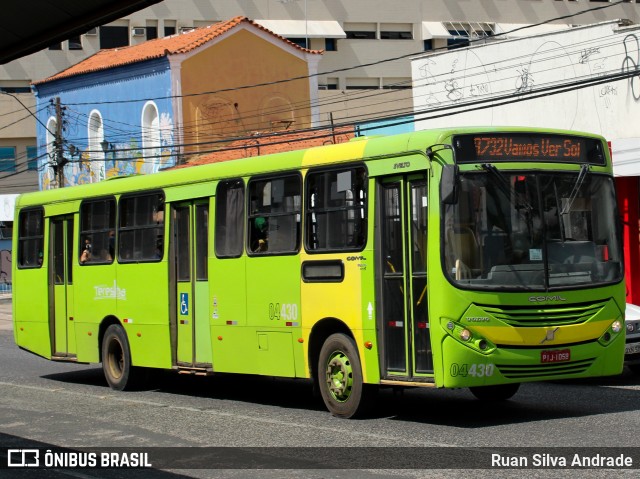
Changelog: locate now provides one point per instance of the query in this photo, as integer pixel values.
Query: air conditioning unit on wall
(138, 31)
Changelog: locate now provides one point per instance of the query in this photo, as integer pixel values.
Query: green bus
(462, 257)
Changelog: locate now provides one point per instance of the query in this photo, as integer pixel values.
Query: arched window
(150, 132)
(46, 175)
(96, 136)
(52, 125)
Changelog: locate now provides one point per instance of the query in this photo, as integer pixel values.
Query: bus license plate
(632, 348)
(555, 355)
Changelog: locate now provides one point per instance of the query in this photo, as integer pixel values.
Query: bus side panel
(228, 306)
(143, 307)
(252, 339)
(273, 304)
(351, 301)
(95, 293)
(31, 310)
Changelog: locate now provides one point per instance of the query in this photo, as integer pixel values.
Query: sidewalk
(6, 321)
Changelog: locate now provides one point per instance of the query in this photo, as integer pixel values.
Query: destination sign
(490, 148)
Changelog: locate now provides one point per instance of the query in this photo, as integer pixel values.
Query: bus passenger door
(190, 283)
(61, 286)
(403, 325)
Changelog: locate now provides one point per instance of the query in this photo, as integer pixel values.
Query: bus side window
(31, 238)
(97, 231)
(141, 228)
(229, 227)
(336, 202)
(274, 215)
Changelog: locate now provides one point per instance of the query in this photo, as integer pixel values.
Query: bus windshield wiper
(503, 183)
(584, 169)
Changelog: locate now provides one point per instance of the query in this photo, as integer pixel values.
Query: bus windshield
(532, 231)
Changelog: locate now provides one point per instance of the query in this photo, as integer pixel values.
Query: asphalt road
(263, 423)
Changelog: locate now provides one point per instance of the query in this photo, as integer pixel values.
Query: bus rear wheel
(116, 358)
(340, 376)
(499, 392)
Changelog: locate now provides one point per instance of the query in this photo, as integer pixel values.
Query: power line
(339, 70)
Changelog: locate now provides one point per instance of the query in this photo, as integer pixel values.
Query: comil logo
(23, 458)
(546, 299)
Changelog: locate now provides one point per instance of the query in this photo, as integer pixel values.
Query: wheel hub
(339, 376)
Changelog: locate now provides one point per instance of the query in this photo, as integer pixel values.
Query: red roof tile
(160, 47)
(280, 142)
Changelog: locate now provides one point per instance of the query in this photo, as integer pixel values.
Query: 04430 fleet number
(475, 370)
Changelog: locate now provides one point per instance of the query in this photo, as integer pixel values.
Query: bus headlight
(465, 335)
(616, 327)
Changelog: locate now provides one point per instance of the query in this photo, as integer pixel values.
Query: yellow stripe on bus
(543, 336)
(353, 150)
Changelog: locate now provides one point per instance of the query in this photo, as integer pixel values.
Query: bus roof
(361, 148)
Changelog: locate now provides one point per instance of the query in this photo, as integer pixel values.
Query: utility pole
(60, 160)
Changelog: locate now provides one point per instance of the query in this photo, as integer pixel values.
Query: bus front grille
(535, 316)
(556, 369)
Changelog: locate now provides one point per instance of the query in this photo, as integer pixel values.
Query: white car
(632, 349)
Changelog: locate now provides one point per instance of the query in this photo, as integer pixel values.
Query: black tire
(500, 392)
(340, 376)
(116, 359)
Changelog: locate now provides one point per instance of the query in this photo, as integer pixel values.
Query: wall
(122, 121)
(509, 69)
(243, 58)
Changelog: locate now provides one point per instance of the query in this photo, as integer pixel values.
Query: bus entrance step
(71, 359)
(193, 370)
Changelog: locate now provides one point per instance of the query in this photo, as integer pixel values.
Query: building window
(150, 131)
(336, 210)
(361, 31)
(32, 158)
(56, 46)
(30, 238)
(141, 228)
(169, 30)
(396, 83)
(96, 135)
(52, 126)
(114, 37)
(331, 44)
(428, 45)
(301, 42)
(363, 83)
(274, 215)
(396, 31)
(359, 35)
(7, 159)
(97, 231)
(75, 43)
(152, 33)
(229, 231)
(15, 89)
(457, 41)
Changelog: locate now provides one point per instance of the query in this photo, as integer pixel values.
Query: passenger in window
(259, 236)
(86, 251)
(112, 244)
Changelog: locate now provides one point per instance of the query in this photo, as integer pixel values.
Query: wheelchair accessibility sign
(184, 304)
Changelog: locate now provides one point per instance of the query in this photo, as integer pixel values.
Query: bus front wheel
(499, 392)
(116, 358)
(340, 376)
